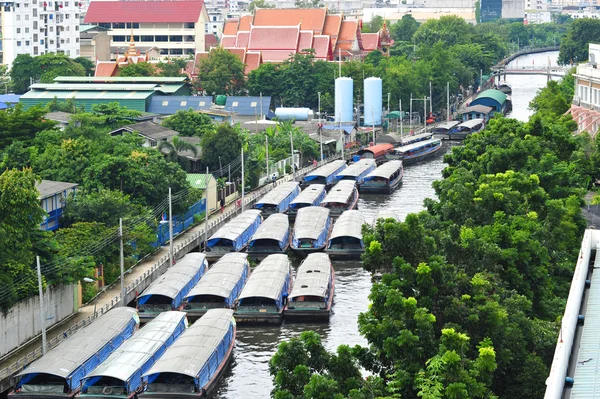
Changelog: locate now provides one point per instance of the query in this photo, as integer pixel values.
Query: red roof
(105, 69)
(370, 41)
(322, 47)
(228, 41)
(245, 23)
(274, 38)
(306, 40)
(378, 150)
(144, 11)
(332, 28)
(348, 34)
(242, 39)
(253, 61)
(309, 18)
(210, 40)
(277, 55)
(240, 52)
(230, 27)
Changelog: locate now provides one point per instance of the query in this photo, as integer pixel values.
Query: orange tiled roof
(309, 18)
(322, 47)
(276, 56)
(253, 61)
(332, 28)
(370, 41)
(274, 38)
(242, 39)
(105, 69)
(210, 40)
(240, 52)
(348, 34)
(245, 23)
(305, 41)
(231, 27)
(228, 41)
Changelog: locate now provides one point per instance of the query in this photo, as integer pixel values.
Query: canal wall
(511, 57)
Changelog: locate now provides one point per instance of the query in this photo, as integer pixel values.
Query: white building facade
(38, 27)
(585, 108)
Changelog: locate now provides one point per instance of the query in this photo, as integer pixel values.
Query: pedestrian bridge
(556, 70)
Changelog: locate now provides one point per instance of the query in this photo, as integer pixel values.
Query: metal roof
(279, 193)
(385, 170)
(62, 117)
(194, 347)
(341, 192)
(312, 277)
(310, 222)
(275, 227)
(48, 188)
(86, 95)
(248, 106)
(140, 348)
(93, 86)
(309, 194)
(232, 230)
(482, 109)
(349, 224)
(83, 344)
(150, 12)
(199, 180)
(416, 145)
(268, 278)
(328, 169)
(222, 277)
(494, 94)
(446, 125)
(387, 214)
(177, 276)
(169, 105)
(148, 129)
(121, 79)
(358, 168)
(417, 137)
(471, 123)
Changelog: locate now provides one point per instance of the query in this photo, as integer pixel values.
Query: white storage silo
(373, 101)
(344, 100)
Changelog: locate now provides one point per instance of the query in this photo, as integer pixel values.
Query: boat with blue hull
(312, 195)
(461, 131)
(346, 241)
(416, 152)
(414, 138)
(385, 179)
(169, 290)
(325, 174)
(120, 376)
(219, 287)
(342, 197)
(312, 296)
(192, 367)
(234, 236)
(311, 230)
(272, 237)
(278, 199)
(263, 298)
(58, 374)
(358, 171)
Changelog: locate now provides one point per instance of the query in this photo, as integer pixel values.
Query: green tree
(189, 123)
(102, 206)
(86, 64)
(308, 4)
(266, 79)
(177, 145)
(221, 72)
(374, 25)
(172, 68)
(255, 4)
(115, 115)
(138, 69)
(574, 46)
(16, 123)
(224, 143)
(404, 29)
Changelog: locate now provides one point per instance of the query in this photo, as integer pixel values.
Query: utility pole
(448, 100)
(261, 107)
(42, 313)
(410, 114)
(206, 216)
(373, 123)
(401, 119)
(342, 134)
(123, 299)
(267, 152)
(229, 167)
(293, 162)
(171, 254)
(320, 127)
(243, 183)
(425, 113)
(388, 103)
(430, 99)
(480, 79)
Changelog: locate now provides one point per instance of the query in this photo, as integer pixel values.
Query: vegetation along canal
(249, 374)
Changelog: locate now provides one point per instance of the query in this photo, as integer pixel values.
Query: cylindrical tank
(221, 99)
(344, 109)
(286, 114)
(373, 101)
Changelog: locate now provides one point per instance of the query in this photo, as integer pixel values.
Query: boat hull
(212, 256)
(307, 315)
(383, 189)
(422, 157)
(33, 395)
(258, 317)
(260, 255)
(345, 253)
(304, 252)
(195, 314)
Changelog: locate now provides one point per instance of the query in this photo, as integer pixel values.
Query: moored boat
(263, 296)
(167, 291)
(272, 237)
(312, 296)
(219, 287)
(416, 152)
(325, 174)
(342, 197)
(278, 199)
(504, 87)
(461, 131)
(120, 375)
(386, 214)
(346, 236)
(357, 171)
(58, 374)
(312, 195)
(376, 152)
(311, 230)
(406, 140)
(385, 179)
(192, 367)
(444, 128)
(234, 236)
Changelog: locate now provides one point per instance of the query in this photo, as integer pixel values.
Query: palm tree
(177, 145)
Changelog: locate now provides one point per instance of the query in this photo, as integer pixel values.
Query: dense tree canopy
(221, 72)
(574, 46)
(27, 69)
(189, 123)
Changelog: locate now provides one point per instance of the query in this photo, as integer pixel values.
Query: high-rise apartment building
(37, 27)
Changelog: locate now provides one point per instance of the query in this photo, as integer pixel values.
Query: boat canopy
(414, 146)
(417, 137)
(313, 277)
(312, 223)
(81, 352)
(269, 280)
(349, 224)
(326, 172)
(387, 214)
(341, 193)
(358, 170)
(376, 151)
(197, 354)
(224, 279)
(469, 125)
(280, 196)
(126, 365)
(311, 195)
(385, 171)
(177, 281)
(276, 227)
(238, 231)
(445, 127)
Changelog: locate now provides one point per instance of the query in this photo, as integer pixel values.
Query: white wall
(22, 321)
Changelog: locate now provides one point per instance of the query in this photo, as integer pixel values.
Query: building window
(27, 42)
(26, 30)
(175, 38)
(35, 12)
(18, 43)
(26, 17)
(176, 51)
(147, 38)
(165, 103)
(76, 27)
(161, 38)
(35, 37)
(66, 16)
(18, 30)
(136, 25)
(189, 25)
(18, 17)
(183, 104)
(35, 51)
(118, 26)
(76, 40)
(118, 38)
(104, 25)
(77, 51)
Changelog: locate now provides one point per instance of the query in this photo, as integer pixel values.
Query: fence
(180, 223)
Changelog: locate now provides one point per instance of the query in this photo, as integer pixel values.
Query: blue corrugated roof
(248, 106)
(168, 105)
(9, 98)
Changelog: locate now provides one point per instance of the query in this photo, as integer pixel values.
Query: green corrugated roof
(493, 94)
(169, 88)
(86, 95)
(120, 79)
(95, 87)
(198, 180)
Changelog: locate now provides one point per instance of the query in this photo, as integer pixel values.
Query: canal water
(249, 376)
